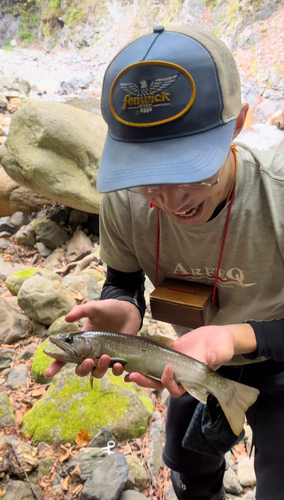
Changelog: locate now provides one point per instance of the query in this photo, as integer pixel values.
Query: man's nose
(171, 197)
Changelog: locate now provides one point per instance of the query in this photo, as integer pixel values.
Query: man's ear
(241, 119)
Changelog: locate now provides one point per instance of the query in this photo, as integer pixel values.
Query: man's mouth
(188, 213)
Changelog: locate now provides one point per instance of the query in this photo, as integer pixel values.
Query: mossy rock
(41, 362)
(7, 416)
(70, 405)
(61, 326)
(15, 280)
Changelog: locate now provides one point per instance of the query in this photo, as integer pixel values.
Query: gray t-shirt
(251, 278)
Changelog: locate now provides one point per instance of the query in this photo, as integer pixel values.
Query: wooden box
(183, 303)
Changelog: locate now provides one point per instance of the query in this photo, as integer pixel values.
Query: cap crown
(170, 84)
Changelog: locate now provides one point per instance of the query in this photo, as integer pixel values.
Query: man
(183, 203)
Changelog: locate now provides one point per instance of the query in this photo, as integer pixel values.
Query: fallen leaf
(65, 483)
(82, 438)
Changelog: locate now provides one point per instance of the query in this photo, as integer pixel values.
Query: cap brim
(172, 161)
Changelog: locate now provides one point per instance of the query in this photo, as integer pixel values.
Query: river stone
(60, 158)
(79, 246)
(18, 376)
(44, 300)
(13, 325)
(14, 197)
(70, 405)
(6, 411)
(88, 460)
(14, 281)
(61, 326)
(21, 490)
(137, 470)
(246, 473)
(50, 234)
(99, 487)
(84, 284)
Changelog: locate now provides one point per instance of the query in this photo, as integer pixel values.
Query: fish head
(75, 347)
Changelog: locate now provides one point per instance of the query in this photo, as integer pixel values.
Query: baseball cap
(170, 99)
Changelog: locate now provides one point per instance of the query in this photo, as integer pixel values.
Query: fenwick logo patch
(139, 99)
(145, 97)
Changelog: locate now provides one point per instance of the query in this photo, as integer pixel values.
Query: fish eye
(68, 339)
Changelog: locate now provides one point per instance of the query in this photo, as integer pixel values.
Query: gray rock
(6, 225)
(13, 325)
(6, 358)
(4, 244)
(131, 495)
(15, 280)
(14, 197)
(50, 234)
(89, 460)
(19, 219)
(55, 259)
(231, 482)
(44, 300)
(137, 472)
(102, 438)
(17, 376)
(246, 473)
(28, 351)
(43, 250)
(70, 138)
(25, 236)
(20, 490)
(78, 247)
(79, 81)
(3, 102)
(99, 487)
(6, 411)
(157, 442)
(83, 284)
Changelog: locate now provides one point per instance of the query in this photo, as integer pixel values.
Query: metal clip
(107, 449)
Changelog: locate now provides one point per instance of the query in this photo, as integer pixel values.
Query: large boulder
(55, 150)
(70, 405)
(17, 198)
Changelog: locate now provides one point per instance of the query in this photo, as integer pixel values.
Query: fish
(149, 357)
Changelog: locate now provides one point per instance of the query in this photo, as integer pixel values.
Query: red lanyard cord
(232, 195)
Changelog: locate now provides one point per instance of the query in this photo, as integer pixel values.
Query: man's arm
(125, 286)
(269, 339)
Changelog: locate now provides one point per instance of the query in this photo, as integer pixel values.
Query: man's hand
(101, 315)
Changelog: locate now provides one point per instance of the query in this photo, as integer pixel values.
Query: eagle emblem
(144, 97)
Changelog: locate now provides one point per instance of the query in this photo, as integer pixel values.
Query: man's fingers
(80, 311)
(167, 379)
(144, 381)
(102, 366)
(54, 368)
(85, 368)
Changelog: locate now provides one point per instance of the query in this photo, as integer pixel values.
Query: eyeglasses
(185, 188)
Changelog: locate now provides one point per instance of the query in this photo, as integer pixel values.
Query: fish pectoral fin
(197, 393)
(123, 362)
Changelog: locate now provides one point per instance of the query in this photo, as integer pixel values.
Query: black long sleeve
(125, 286)
(270, 339)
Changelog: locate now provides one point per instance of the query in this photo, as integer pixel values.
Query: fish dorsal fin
(163, 341)
(198, 393)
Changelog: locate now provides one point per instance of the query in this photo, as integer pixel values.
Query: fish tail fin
(235, 401)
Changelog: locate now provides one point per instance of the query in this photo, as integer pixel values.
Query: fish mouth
(62, 351)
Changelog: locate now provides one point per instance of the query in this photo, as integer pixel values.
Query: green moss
(1, 413)
(15, 280)
(147, 403)
(78, 411)
(40, 363)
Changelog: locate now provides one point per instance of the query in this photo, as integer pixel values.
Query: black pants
(200, 477)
